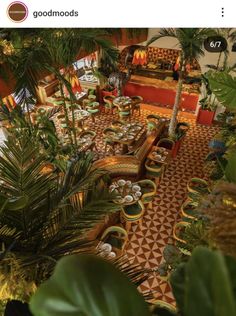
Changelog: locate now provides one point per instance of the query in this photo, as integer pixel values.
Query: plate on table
(106, 248)
(129, 183)
(128, 199)
(130, 137)
(119, 134)
(159, 157)
(112, 255)
(138, 194)
(136, 188)
(121, 182)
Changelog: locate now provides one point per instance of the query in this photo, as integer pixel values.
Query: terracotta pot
(205, 117)
(104, 93)
(176, 147)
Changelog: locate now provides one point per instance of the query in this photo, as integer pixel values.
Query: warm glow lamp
(75, 84)
(140, 57)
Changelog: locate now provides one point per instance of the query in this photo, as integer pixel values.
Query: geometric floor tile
(146, 243)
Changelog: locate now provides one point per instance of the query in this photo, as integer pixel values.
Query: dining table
(84, 143)
(126, 134)
(127, 192)
(160, 155)
(122, 101)
(80, 116)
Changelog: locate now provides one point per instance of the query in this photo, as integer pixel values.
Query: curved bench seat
(119, 165)
(127, 165)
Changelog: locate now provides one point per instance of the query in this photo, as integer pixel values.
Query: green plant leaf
(83, 285)
(177, 281)
(208, 289)
(223, 85)
(230, 170)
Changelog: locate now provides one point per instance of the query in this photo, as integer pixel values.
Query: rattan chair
(148, 189)
(154, 170)
(117, 237)
(94, 109)
(189, 210)
(166, 143)
(108, 141)
(117, 124)
(108, 103)
(132, 214)
(152, 122)
(124, 112)
(136, 103)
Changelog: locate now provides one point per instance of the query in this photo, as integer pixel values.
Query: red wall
(165, 97)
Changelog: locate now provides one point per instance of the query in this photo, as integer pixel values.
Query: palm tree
(190, 42)
(49, 51)
(44, 216)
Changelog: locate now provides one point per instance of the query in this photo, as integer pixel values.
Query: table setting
(126, 133)
(160, 154)
(105, 250)
(127, 192)
(122, 101)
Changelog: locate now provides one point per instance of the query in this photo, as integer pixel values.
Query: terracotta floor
(146, 243)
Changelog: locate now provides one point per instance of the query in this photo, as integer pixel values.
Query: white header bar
(119, 13)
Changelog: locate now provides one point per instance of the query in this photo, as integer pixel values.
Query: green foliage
(190, 40)
(230, 170)
(204, 285)
(46, 215)
(223, 85)
(87, 285)
(196, 234)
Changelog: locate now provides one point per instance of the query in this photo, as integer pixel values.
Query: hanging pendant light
(139, 57)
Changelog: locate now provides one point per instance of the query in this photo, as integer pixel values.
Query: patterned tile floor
(146, 243)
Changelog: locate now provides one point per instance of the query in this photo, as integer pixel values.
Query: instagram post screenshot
(117, 158)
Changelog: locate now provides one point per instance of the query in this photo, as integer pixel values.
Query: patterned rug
(146, 243)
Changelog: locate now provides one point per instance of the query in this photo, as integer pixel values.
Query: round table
(122, 101)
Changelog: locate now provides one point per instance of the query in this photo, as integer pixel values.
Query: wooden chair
(166, 143)
(108, 141)
(136, 102)
(92, 97)
(85, 103)
(92, 136)
(108, 103)
(154, 170)
(178, 227)
(152, 122)
(94, 109)
(189, 210)
(160, 307)
(117, 124)
(124, 112)
(198, 186)
(148, 189)
(117, 237)
(132, 214)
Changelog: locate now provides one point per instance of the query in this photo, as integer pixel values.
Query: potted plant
(108, 90)
(207, 108)
(180, 132)
(206, 112)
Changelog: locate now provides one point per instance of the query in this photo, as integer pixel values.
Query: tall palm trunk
(73, 122)
(66, 114)
(173, 120)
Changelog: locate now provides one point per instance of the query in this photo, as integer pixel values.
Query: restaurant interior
(117, 171)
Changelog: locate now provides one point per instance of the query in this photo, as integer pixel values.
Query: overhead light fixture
(139, 57)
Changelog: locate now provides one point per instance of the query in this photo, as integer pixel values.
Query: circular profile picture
(17, 11)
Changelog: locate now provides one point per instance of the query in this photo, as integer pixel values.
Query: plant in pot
(180, 132)
(208, 105)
